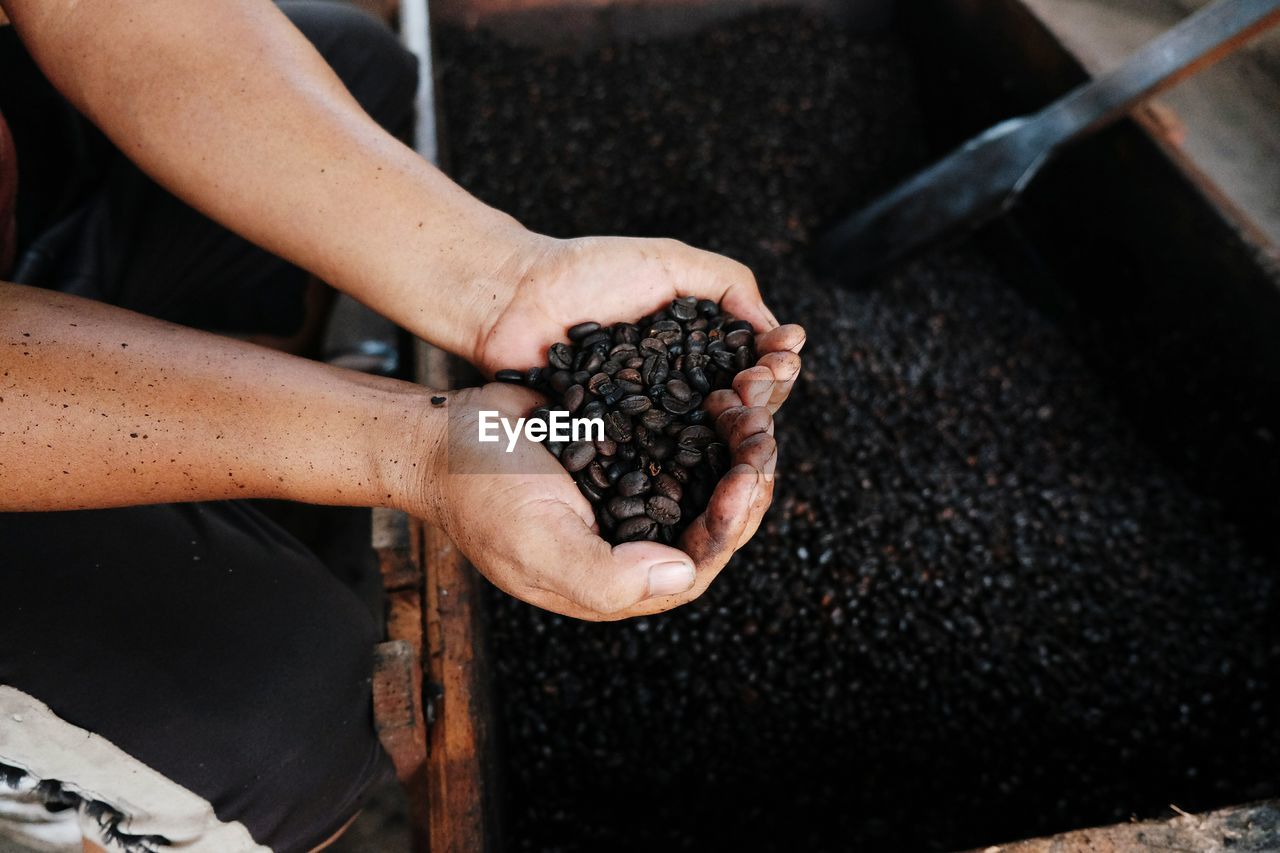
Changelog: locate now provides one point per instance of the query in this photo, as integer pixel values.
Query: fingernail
(670, 578)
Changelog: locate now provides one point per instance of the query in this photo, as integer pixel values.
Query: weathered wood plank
(1249, 827)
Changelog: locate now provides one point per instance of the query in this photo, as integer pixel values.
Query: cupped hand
(560, 283)
(521, 520)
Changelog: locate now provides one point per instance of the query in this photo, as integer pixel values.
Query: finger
(754, 385)
(760, 452)
(712, 276)
(789, 338)
(737, 425)
(718, 402)
(712, 536)
(785, 367)
(568, 559)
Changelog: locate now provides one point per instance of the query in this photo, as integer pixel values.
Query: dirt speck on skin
(980, 608)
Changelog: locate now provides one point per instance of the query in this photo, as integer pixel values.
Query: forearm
(101, 407)
(229, 107)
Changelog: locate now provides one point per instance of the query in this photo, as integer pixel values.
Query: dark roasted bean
(687, 456)
(655, 419)
(634, 529)
(598, 381)
(606, 446)
(697, 436)
(683, 309)
(626, 507)
(589, 489)
(617, 425)
(662, 509)
(560, 356)
(741, 359)
(573, 398)
(739, 338)
(678, 389)
(594, 409)
(596, 473)
(655, 370)
(582, 330)
(578, 455)
(635, 404)
(652, 346)
(634, 483)
(561, 380)
(515, 377)
(667, 486)
(595, 340)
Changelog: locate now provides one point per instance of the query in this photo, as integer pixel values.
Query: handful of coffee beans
(660, 458)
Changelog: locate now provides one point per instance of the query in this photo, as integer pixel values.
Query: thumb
(606, 580)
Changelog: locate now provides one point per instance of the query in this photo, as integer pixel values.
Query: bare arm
(230, 107)
(102, 407)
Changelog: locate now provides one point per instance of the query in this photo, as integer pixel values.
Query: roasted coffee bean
(685, 309)
(660, 447)
(667, 486)
(699, 381)
(556, 448)
(679, 389)
(646, 381)
(513, 376)
(626, 507)
(635, 404)
(707, 308)
(655, 419)
(597, 475)
(595, 340)
(617, 425)
(697, 436)
(580, 331)
(578, 455)
(662, 509)
(687, 456)
(675, 405)
(741, 359)
(635, 529)
(652, 346)
(560, 381)
(560, 356)
(634, 483)
(655, 370)
(589, 489)
(597, 382)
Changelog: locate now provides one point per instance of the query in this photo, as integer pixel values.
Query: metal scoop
(983, 178)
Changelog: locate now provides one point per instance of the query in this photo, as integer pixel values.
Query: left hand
(620, 279)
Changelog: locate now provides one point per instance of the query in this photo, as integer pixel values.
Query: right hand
(521, 520)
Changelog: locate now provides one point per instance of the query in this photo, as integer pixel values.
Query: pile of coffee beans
(660, 458)
(980, 608)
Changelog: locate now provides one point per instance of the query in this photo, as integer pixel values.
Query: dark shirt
(8, 199)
